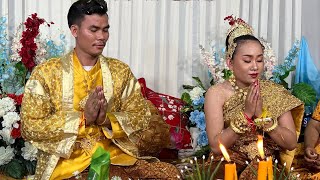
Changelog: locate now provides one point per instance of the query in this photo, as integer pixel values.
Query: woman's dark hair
(81, 8)
(241, 39)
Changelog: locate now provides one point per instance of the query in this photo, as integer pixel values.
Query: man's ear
(230, 64)
(74, 30)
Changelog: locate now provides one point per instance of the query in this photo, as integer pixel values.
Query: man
(76, 103)
(311, 140)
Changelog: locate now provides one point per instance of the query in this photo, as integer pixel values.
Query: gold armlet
(273, 127)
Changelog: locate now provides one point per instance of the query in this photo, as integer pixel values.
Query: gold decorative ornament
(238, 28)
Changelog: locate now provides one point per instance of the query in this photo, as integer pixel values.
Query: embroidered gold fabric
(316, 112)
(50, 121)
(276, 100)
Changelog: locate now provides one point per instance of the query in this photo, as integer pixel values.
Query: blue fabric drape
(306, 70)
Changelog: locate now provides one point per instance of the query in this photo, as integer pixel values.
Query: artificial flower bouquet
(18, 56)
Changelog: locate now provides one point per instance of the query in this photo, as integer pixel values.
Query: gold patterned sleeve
(316, 113)
(146, 130)
(43, 121)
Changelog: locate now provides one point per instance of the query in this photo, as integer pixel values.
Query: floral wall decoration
(19, 54)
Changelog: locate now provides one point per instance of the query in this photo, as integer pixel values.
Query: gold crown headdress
(238, 28)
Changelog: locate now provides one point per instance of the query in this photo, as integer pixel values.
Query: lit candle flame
(224, 152)
(260, 146)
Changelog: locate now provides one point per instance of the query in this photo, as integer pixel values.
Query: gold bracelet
(235, 129)
(274, 126)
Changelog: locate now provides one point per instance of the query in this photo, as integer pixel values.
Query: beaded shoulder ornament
(238, 28)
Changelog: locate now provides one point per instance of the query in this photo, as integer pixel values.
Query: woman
(240, 109)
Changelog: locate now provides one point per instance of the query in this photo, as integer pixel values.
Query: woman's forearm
(227, 137)
(284, 137)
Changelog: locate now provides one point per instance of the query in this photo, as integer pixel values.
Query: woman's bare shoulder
(220, 91)
(220, 88)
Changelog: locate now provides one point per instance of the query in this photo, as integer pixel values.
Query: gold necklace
(241, 92)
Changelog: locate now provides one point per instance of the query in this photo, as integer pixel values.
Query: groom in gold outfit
(83, 100)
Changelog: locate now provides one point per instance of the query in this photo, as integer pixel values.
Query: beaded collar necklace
(242, 92)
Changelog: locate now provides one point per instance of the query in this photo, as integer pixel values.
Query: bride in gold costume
(245, 106)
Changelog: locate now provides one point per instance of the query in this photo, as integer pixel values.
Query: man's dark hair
(81, 8)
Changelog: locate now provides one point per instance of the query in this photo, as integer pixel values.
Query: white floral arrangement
(28, 49)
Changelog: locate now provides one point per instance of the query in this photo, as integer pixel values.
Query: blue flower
(202, 139)
(198, 118)
(199, 101)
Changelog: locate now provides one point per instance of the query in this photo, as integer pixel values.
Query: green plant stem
(275, 169)
(203, 168)
(198, 170)
(282, 171)
(216, 169)
(252, 169)
(209, 169)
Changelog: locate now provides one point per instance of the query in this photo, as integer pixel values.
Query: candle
(270, 168)
(262, 170)
(230, 170)
(263, 165)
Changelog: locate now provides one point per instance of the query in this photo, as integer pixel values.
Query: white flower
(6, 104)
(10, 119)
(196, 93)
(16, 45)
(29, 152)
(5, 133)
(194, 135)
(30, 177)
(76, 174)
(116, 178)
(170, 117)
(6, 155)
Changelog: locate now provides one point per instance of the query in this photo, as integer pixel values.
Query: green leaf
(305, 93)
(15, 169)
(21, 68)
(287, 72)
(226, 73)
(186, 98)
(284, 84)
(197, 79)
(205, 150)
(30, 166)
(188, 87)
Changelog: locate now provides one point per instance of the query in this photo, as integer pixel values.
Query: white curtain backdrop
(160, 39)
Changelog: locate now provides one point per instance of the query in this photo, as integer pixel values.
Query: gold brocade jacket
(276, 100)
(316, 112)
(51, 122)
